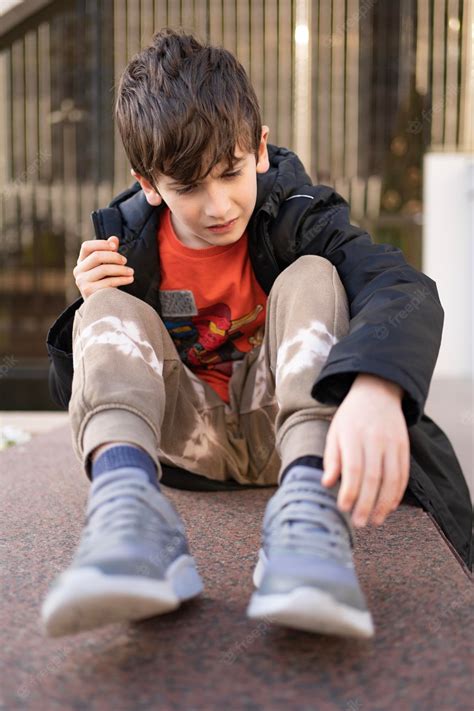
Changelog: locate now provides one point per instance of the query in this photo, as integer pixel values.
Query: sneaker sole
(308, 609)
(86, 598)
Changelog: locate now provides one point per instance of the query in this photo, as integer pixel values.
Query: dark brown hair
(182, 107)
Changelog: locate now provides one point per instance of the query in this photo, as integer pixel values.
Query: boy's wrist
(375, 382)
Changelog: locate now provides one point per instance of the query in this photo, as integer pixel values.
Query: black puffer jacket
(396, 316)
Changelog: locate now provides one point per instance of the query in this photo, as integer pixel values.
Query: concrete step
(208, 654)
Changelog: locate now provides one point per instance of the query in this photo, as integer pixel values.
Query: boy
(258, 340)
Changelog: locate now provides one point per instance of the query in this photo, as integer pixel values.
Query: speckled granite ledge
(208, 655)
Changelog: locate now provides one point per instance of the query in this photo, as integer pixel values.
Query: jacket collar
(286, 172)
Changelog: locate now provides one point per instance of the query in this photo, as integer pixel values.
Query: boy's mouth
(223, 227)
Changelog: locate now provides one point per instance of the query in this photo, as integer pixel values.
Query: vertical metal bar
(133, 28)
(256, 49)
(187, 15)
(31, 107)
(422, 47)
(323, 104)
(18, 108)
(242, 33)
(302, 117)
(271, 61)
(215, 21)
(174, 13)
(466, 108)
(121, 168)
(452, 69)
(337, 89)
(438, 85)
(146, 22)
(405, 51)
(200, 19)
(160, 13)
(365, 91)
(229, 23)
(282, 133)
(5, 127)
(352, 90)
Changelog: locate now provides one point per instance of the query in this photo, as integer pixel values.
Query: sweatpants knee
(314, 280)
(307, 271)
(109, 295)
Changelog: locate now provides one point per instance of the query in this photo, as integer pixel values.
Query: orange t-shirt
(212, 304)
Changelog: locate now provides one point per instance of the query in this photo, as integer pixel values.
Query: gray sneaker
(132, 561)
(305, 572)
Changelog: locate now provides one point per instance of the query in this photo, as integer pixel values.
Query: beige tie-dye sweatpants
(130, 385)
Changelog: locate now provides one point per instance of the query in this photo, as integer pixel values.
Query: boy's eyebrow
(237, 161)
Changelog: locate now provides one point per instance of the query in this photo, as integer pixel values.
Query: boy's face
(222, 197)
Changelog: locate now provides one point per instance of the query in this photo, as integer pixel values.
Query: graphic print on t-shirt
(211, 304)
(207, 338)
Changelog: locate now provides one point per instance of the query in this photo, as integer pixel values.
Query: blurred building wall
(359, 88)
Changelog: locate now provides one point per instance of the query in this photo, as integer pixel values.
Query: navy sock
(125, 455)
(309, 461)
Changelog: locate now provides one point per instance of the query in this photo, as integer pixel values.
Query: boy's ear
(263, 162)
(153, 198)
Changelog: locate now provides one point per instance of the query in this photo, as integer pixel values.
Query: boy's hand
(368, 440)
(100, 265)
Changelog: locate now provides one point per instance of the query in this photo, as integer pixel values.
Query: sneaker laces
(127, 510)
(301, 516)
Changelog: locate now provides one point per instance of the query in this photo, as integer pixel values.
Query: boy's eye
(233, 175)
(189, 188)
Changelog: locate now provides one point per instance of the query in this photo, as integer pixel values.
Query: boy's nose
(218, 207)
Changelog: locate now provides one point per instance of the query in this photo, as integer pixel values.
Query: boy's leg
(120, 359)
(305, 575)
(130, 386)
(307, 313)
(133, 560)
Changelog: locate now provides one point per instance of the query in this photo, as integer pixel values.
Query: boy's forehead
(239, 158)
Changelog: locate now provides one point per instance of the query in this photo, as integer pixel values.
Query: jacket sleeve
(59, 346)
(396, 318)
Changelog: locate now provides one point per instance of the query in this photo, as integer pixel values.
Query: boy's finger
(93, 245)
(331, 461)
(389, 486)
(372, 476)
(352, 469)
(404, 466)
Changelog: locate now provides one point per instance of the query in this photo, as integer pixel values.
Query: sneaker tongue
(303, 473)
(102, 491)
(311, 475)
(130, 473)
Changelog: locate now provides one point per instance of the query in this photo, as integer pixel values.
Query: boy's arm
(396, 318)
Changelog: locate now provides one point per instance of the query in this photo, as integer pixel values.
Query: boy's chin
(222, 240)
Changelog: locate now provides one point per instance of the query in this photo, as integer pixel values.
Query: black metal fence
(386, 81)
